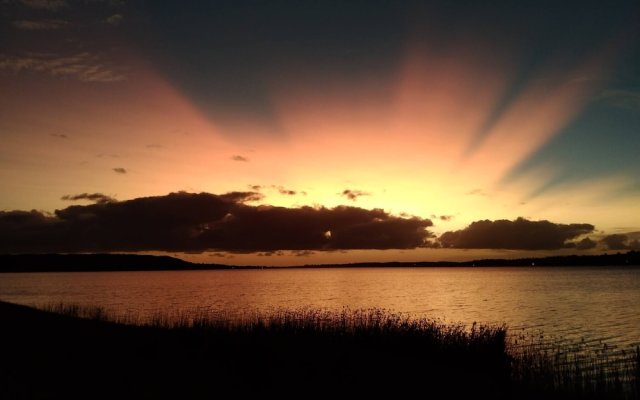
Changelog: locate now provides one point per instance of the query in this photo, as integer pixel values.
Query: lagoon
(564, 304)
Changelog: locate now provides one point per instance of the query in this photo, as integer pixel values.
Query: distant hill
(136, 262)
(96, 262)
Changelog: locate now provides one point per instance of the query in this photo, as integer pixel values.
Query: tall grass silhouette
(311, 351)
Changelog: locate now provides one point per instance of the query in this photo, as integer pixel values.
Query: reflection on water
(573, 304)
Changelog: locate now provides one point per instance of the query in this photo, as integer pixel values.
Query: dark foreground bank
(302, 354)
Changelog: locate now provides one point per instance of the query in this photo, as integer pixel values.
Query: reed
(349, 349)
(589, 369)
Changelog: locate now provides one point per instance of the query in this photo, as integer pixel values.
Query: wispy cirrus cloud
(85, 67)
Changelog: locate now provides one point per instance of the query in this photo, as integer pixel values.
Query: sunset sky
(299, 132)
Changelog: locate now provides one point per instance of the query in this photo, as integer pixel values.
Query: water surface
(567, 303)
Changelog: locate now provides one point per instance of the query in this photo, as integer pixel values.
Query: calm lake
(567, 304)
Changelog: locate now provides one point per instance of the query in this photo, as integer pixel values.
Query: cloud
(59, 135)
(443, 217)
(242, 197)
(621, 242)
(189, 222)
(627, 99)
(115, 19)
(271, 254)
(239, 158)
(154, 146)
(286, 192)
(85, 67)
(303, 253)
(39, 25)
(119, 170)
(520, 234)
(49, 5)
(586, 244)
(353, 194)
(282, 190)
(221, 255)
(98, 198)
(478, 192)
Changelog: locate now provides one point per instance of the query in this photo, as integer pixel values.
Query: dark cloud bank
(520, 234)
(621, 242)
(201, 222)
(189, 222)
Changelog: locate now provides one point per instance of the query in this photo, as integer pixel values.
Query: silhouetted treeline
(135, 262)
(618, 259)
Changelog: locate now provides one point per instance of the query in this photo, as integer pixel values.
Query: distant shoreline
(135, 262)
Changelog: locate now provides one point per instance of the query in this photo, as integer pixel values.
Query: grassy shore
(74, 352)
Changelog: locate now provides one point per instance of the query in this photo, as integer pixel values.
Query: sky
(308, 132)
